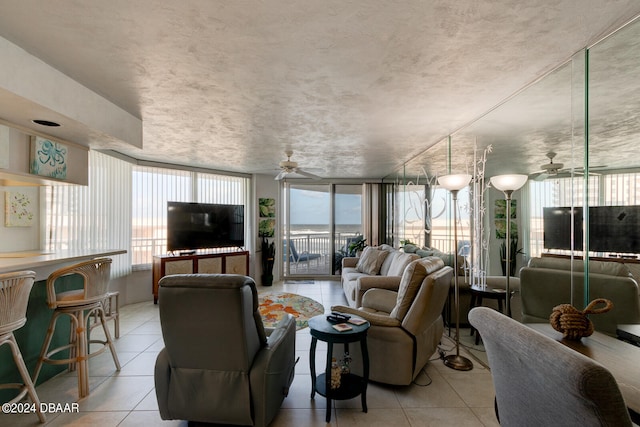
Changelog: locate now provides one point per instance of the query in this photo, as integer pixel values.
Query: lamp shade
(508, 182)
(454, 182)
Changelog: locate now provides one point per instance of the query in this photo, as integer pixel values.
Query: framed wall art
(48, 158)
(18, 209)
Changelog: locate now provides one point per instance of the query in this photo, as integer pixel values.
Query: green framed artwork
(500, 219)
(501, 207)
(266, 227)
(501, 229)
(267, 207)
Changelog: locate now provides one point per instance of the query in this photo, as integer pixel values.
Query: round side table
(351, 385)
(478, 293)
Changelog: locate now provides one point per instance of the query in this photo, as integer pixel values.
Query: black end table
(478, 293)
(351, 385)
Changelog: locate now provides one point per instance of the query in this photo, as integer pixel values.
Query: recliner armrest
(380, 300)
(365, 283)
(162, 372)
(273, 370)
(373, 318)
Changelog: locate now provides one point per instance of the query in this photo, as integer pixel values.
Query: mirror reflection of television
(611, 228)
(192, 226)
(614, 229)
(557, 228)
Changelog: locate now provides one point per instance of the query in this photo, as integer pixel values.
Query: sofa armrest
(364, 283)
(373, 318)
(349, 262)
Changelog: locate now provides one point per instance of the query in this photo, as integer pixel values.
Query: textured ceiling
(353, 88)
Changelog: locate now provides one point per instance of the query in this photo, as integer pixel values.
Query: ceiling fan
(552, 169)
(287, 167)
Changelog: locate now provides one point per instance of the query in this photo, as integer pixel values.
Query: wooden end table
(351, 385)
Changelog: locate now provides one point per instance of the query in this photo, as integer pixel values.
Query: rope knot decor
(573, 323)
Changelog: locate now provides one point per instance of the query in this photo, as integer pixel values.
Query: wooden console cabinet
(214, 263)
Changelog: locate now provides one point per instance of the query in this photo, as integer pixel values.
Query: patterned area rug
(274, 305)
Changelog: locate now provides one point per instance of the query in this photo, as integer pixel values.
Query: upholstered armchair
(406, 326)
(540, 382)
(219, 364)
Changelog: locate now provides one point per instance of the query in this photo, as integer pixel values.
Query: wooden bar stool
(79, 305)
(14, 298)
(111, 307)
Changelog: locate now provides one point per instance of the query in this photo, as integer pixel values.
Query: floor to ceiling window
(320, 222)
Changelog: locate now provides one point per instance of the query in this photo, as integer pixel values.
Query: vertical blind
(153, 187)
(95, 217)
(125, 207)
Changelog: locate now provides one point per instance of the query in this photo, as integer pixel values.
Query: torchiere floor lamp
(508, 184)
(455, 183)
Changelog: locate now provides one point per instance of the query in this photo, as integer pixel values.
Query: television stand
(183, 253)
(232, 262)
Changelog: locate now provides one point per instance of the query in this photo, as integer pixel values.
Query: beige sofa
(547, 282)
(355, 282)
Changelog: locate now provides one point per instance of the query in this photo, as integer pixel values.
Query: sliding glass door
(320, 221)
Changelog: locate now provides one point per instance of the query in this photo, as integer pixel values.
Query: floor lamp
(455, 183)
(508, 184)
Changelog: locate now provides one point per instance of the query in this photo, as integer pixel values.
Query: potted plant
(513, 252)
(268, 258)
(357, 246)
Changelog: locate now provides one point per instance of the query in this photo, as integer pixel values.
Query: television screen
(611, 228)
(193, 226)
(557, 228)
(614, 229)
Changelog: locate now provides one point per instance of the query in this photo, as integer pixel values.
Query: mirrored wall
(575, 133)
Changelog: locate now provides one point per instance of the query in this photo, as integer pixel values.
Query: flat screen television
(611, 228)
(557, 228)
(192, 226)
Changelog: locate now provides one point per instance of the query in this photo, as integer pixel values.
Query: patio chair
(298, 257)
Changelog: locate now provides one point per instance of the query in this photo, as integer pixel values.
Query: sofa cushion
(399, 262)
(352, 275)
(371, 260)
(386, 264)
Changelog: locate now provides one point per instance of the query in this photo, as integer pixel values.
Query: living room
(533, 123)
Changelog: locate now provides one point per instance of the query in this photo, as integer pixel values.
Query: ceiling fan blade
(538, 176)
(281, 175)
(307, 174)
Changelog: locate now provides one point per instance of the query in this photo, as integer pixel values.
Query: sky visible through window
(313, 207)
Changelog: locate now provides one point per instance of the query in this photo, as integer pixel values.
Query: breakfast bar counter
(44, 263)
(30, 337)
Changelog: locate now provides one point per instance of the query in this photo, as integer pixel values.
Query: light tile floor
(127, 398)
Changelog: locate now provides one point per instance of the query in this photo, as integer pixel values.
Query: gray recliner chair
(219, 364)
(406, 326)
(540, 382)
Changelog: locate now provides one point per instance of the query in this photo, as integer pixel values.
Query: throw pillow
(371, 260)
(400, 262)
